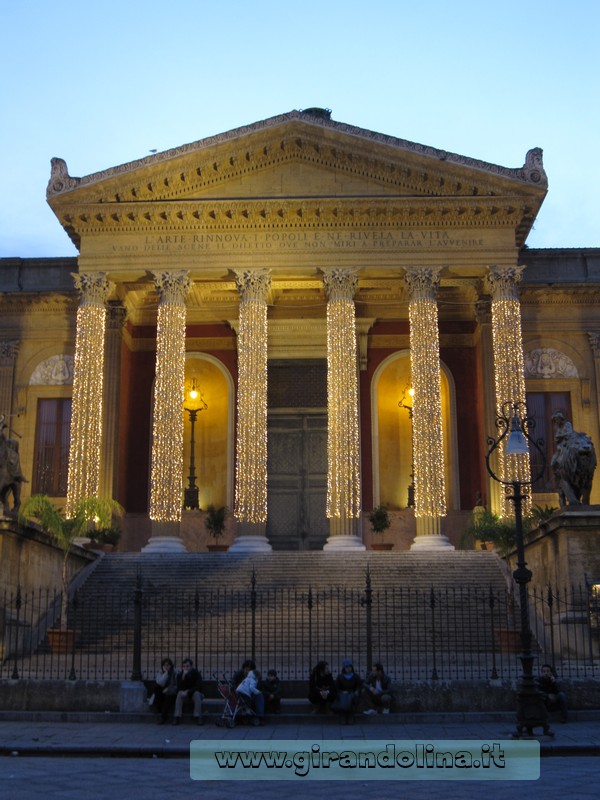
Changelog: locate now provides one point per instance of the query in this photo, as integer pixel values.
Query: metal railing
(468, 633)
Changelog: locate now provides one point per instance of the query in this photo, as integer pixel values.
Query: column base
(251, 538)
(164, 544)
(431, 542)
(429, 535)
(165, 539)
(341, 542)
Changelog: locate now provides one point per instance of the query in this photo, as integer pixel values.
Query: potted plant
(106, 539)
(86, 512)
(215, 525)
(380, 522)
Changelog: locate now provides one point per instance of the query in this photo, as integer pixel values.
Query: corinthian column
(428, 440)
(343, 451)
(509, 368)
(166, 477)
(251, 440)
(88, 382)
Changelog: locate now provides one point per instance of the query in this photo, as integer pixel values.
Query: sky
(101, 84)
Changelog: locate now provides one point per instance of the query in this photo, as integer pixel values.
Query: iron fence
(468, 633)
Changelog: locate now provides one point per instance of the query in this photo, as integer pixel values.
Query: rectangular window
(52, 438)
(541, 406)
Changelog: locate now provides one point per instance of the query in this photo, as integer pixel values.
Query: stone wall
(29, 558)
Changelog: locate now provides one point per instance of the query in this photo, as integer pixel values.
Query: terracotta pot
(217, 548)
(61, 641)
(382, 546)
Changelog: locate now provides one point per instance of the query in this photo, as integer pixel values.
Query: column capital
(504, 280)
(93, 286)
(116, 315)
(253, 285)
(422, 282)
(174, 286)
(9, 349)
(340, 283)
(594, 343)
(483, 309)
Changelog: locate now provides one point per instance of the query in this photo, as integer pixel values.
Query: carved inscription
(278, 241)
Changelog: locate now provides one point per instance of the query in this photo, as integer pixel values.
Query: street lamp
(197, 404)
(514, 425)
(408, 390)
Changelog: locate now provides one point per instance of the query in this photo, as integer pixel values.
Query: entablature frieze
(581, 294)
(277, 216)
(13, 303)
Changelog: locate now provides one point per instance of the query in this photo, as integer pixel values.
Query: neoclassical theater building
(299, 320)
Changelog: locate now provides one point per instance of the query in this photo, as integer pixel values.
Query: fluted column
(88, 386)
(343, 450)
(251, 435)
(166, 477)
(115, 319)
(428, 441)
(509, 368)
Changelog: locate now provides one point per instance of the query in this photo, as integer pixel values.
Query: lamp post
(190, 493)
(408, 390)
(514, 425)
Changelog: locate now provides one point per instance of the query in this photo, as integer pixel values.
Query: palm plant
(86, 512)
(379, 519)
(215, 521)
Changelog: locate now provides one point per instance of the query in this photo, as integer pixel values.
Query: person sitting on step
(271, 689)
(378, 691)
(189, 687)
(250, 693)
(348, 685)
(321, 688)
(164, 690)
(554, 698)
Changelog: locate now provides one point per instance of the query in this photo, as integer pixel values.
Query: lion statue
(573, 463)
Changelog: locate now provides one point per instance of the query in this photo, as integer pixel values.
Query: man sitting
(189, 687)
(554, 698)
(378, 691)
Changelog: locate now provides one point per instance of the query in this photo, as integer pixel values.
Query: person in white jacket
(250, 693)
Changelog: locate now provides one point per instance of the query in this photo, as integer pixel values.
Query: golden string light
(251, 440)
(343, 451)
(88, 379)
(166, 478)
(428, 438)
(509, 369)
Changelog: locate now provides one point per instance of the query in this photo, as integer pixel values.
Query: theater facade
(300, 320)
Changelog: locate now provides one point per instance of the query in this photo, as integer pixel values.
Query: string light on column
(509, 368)
(428, 439)
(251, 462)
(166, 478)
(343, 473)
(88, 378)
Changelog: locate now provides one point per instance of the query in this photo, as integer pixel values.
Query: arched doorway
(392, 433)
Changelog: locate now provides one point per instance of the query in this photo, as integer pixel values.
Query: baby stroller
(235, 705)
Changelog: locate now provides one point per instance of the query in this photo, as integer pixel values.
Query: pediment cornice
(399, 166)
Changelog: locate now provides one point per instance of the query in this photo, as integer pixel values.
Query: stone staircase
(428, 612)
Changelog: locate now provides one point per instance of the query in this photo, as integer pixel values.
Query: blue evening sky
(100, 84)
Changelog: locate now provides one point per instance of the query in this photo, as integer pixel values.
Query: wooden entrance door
(297, 480)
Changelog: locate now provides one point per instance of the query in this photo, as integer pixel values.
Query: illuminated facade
(303, 273)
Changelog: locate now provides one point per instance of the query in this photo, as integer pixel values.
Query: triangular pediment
(299, 156)
(295, 156)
